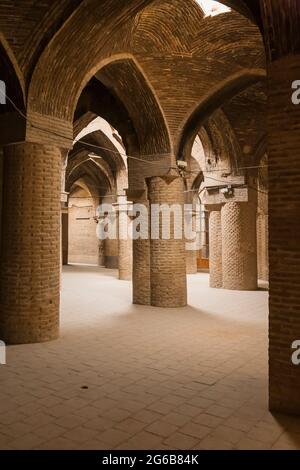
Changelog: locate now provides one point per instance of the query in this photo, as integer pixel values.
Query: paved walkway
(131, 377)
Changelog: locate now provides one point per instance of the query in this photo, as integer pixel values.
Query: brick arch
(227, 153)
(88, 30)
(97, 100)
(99, 137)
(115, 161)
(83, 184)
(123, 76)
(127, 80)
(109, 152)
(83, 157)
(84, 30)
(212, 101)
(82, 122)
(219, 146)
(100, 181)
(86, 184)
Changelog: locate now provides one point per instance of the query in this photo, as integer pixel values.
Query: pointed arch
(217, 96)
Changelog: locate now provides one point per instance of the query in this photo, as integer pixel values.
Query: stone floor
(131, 377)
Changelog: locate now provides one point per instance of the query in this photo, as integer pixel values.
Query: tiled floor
(131, 377)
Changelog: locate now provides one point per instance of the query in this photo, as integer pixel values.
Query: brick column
(239, 246)
(281, 25)
(262, 246)
(167, 257)
(191, 246)
(124, 240)
(30, 249)
(215, 249)
(141, 287)
(284, 226)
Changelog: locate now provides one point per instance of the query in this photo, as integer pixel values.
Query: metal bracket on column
(232, 190)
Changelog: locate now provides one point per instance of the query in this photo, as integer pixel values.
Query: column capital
(213, 207)
(220, 195)
(137, 195)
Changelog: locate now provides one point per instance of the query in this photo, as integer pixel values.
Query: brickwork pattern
(284, 225)
(191, 255)
(263, 246)
(30, 250)
(167, 257)
(141, 266)
(215, 250)
(83, 241)
(191, 261)
(125, 248)
(239, 246)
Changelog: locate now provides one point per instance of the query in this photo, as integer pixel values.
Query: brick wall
(83, 241)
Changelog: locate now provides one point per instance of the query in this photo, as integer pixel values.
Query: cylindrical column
(239, 246)
(262, 246)
(141, 288)
(191, 241)
(215, 250)
(30, 250)
(125, 241)
(167, 256)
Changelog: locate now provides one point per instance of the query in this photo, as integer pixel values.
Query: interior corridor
(135, 377)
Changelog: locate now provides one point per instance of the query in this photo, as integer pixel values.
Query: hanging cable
(113, 151)
(99, 147)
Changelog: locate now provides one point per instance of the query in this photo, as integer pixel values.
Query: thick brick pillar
(281, 25)
(125, 242)
(141, 287)
(167, 257)
(239, 246)
(215, 250)
(284, 226)
(30, 248)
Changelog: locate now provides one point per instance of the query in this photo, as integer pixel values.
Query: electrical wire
(90, 145)
(116, 152)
